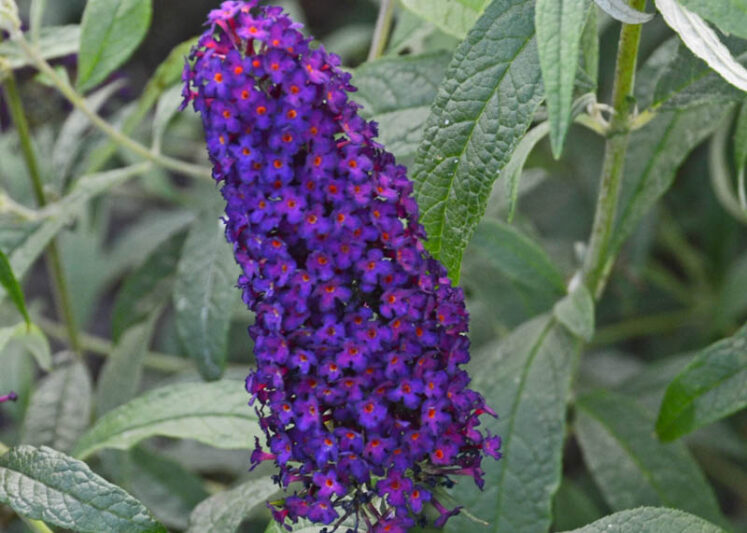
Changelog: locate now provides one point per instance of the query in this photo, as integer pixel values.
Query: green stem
(54, 264)
(100, 346)
(597, 264)
(381, 32)
(123, 140)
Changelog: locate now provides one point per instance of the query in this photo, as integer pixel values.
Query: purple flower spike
(359, 334)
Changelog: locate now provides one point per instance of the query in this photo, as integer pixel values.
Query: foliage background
(136, 260)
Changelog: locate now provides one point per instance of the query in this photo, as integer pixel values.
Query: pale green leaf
(224, 512)
(12, 287)
(204, 294)
(631, 467)
(397, 93)
(120, 378)
(111, 31)
(703, 42)
(216, 413)
(729, 15)
(559, 25)
(650, 520)
(60, 408)
(576, 312)
(455, 17)
(44, 484)
(527, 379)
(54, 42)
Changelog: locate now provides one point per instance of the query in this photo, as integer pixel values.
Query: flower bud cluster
(359, 334)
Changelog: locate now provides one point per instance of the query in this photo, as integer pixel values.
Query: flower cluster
(359, 334)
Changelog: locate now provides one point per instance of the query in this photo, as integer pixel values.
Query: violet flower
(359, 334)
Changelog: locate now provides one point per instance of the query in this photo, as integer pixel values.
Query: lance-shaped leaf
(213, 413)
(54, 42)
(711, 387)
(528, 378)
(656, 152)
(631, 467)
(204, 294)
(224, 512)
(397, 93)
(12, 287)
(729, 15)
(484, 106)
(559, 25)
(687, 81)
(703, 41)
(650, 520)
(60, 408)
(44, 484)
(454, 17)
(111, 31)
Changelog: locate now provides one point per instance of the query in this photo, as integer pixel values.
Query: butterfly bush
(359, 334)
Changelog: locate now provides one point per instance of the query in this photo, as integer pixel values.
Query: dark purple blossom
(359, 334)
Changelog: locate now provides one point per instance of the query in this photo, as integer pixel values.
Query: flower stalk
(54, 263)
(598, 262)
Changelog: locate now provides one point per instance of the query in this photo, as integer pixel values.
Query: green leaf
(65, 211)
(589, 57)
(631, 467)
(515, 166)
(703, 41)
(204, 294)
(166, 108)
(60, 408)
(397, 93)
(656, 152)
(740, 154)
(12, 287)
(519, 259)
(729, 15)
(713, 386)
(573, 507)
(650, 520)
(36, 343)
(212, 413)
(146, 288)
(688, 81)
(620, 10)
(527, 379)
(740, 138)
(70, 139)
(455, 17)
(120, 377)
(44, 484)
(164, 486)
(54, 42)
(559, 25)
(484, 106)
(224, 512)
(576, 312)
(111, 31)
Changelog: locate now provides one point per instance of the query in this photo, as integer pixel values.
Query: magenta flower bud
(359, 334)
